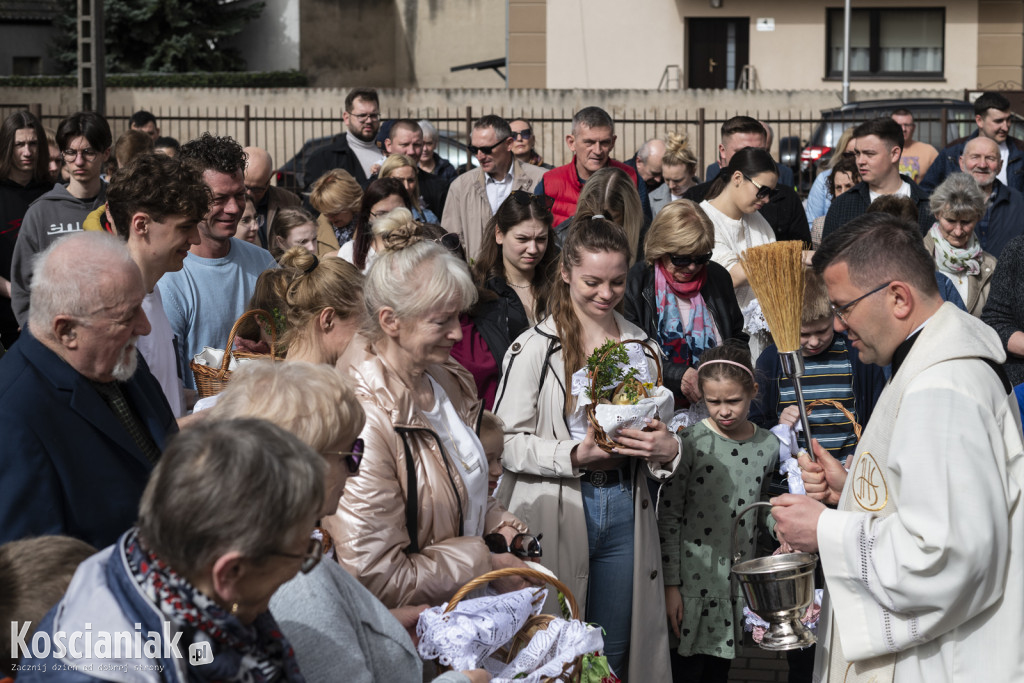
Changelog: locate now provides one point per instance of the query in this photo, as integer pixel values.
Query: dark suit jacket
(67, 465)
(337, 154)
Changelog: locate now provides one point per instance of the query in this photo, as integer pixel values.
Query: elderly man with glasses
(474, 196)
(84, 139)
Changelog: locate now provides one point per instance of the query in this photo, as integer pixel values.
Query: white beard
(126, 367)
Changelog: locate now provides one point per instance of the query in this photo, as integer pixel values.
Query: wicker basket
(606, 444)
(212, 380)
(838, 406)
(539, 622)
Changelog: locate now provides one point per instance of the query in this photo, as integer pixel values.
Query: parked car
(928, 113)
(292, 174)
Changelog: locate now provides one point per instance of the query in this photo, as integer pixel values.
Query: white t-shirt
(367, 153)
(159, 349)
(348, 253)
(467, 453)
(1004, 152)
(904, 191)
(733, 237)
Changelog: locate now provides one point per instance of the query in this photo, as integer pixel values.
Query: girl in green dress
(726, 459)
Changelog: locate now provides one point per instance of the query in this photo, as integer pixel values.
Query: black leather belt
(602, 478)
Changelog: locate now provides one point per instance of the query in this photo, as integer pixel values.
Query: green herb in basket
(605, 368)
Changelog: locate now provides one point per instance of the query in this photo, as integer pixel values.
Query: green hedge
(244, 79)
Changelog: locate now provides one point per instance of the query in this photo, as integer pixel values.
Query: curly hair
(215, 153)
(158, 185)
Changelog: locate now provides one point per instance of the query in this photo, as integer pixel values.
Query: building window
(888, 43)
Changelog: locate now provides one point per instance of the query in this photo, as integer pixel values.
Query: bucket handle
(736, 553)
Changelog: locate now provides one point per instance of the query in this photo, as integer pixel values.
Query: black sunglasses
(474, 150)
(523, 545)
(763, 191)
(523, 198)
(525, 134)
(680, 261)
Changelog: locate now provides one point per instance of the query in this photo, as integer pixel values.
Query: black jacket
(855, 201)
(337, 154)
(499, 322)
(642, 310)
(785, 212)
(14, 202)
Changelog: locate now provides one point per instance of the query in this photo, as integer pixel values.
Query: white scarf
(954, 260)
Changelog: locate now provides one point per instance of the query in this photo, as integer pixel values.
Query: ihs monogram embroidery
(869, 487)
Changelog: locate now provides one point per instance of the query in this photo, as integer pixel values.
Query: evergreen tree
(171, 36)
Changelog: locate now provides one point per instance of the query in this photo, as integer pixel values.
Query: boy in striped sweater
(832, 371)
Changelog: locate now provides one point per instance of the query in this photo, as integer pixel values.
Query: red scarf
(685, 290)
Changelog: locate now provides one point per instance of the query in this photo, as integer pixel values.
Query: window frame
(875, 49)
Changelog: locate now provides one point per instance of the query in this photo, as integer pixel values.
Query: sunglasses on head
(450, 241)
(524, 134)
(685, 261)
(542, 201)
(474, 150)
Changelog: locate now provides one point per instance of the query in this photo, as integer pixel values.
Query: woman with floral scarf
(958, 205)
(225, 519)
(682, 298)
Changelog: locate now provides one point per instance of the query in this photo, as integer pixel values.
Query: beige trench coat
(467, 209)
(541, 487)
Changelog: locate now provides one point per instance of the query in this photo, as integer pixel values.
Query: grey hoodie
(55, 214)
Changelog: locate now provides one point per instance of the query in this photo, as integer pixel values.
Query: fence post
(247, 122)
(469, 124)
(944, 122)
(37, 111)
(700, 140)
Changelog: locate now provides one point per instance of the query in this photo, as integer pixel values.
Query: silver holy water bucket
(778, 588)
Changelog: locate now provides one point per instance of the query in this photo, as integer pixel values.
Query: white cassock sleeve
(941, 558)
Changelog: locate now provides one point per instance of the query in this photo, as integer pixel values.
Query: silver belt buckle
(599, 478)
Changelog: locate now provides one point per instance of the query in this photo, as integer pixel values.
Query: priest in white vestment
(924, 555)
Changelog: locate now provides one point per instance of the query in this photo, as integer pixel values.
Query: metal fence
(283, 131)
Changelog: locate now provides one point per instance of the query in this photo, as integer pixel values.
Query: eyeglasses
(763, 191)
(541, 201)
(474, 150)
(88, 154)
(363, 118)
(680, 261)
(352, 457)
(524, 134)
(522, 545)
(310, 559)
(257, 189)
(842, 311)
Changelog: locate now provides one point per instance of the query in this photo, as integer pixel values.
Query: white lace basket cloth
(659, 403)
(506, 634)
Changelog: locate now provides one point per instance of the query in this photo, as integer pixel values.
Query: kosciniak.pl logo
(89, 644)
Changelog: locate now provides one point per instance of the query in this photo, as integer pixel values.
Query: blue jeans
(609, 512)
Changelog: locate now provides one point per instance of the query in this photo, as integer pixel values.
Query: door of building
(718, 51)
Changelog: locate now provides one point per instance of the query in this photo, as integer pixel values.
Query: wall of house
(26, 40)
(593, 43)
(1000, 44)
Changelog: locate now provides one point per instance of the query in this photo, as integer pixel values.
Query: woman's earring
(234, 608)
